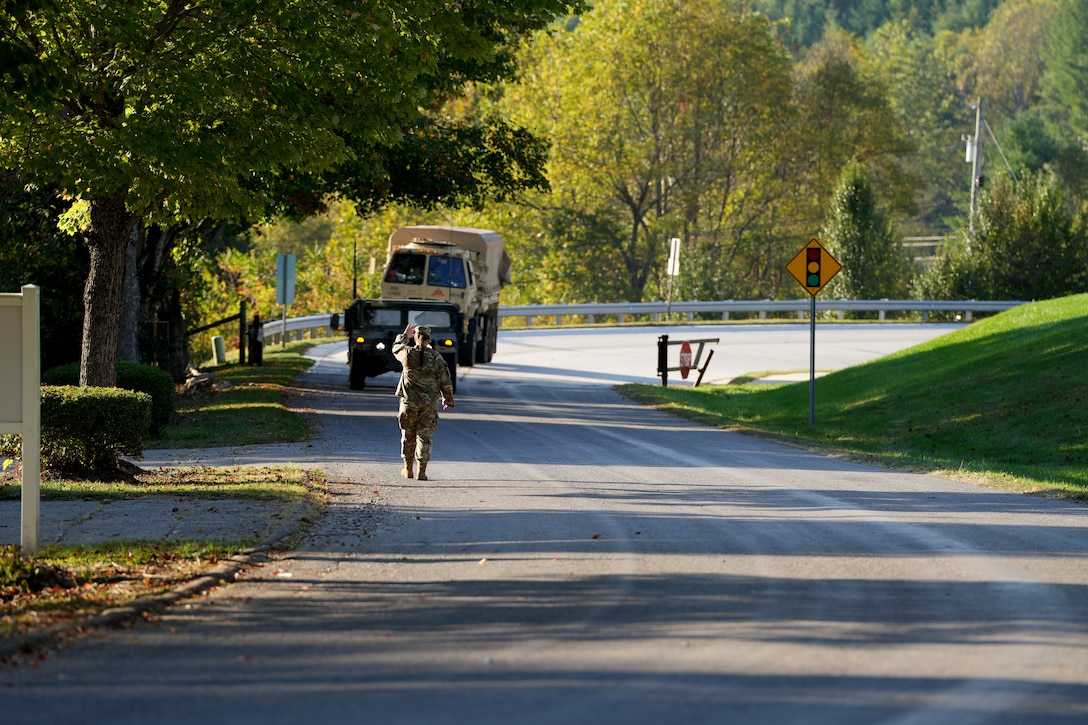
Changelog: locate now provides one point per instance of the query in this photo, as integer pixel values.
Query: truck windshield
(430, 318)
(384, 318)
(446, 272)
(405, 268)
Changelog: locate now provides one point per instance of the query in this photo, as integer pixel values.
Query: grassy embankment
(1003, 402)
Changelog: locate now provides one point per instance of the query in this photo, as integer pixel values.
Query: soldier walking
(424, 382)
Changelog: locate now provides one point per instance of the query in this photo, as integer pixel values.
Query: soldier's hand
(410, 331)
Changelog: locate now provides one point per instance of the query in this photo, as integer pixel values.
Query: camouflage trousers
(417, 424)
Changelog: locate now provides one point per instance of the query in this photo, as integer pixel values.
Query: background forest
(743, 128)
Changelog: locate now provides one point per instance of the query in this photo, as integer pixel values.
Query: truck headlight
(379, 346)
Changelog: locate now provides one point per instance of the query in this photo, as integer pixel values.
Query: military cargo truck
(373, 325)
(463, 266)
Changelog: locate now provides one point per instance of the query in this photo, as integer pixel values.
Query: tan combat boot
(407, 472)
(422, 471)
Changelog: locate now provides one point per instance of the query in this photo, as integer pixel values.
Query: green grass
(247, 407)
(67, 584)
(1003, 402)
(82, 555)
(286, 483)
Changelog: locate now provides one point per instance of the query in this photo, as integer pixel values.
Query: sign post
(20, 398)
(813, 267)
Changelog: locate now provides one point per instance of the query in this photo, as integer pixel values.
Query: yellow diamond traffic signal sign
(813, 267)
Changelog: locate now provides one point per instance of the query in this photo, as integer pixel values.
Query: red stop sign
(685, 359)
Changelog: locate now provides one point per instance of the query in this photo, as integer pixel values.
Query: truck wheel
(466, 351)
(492, 339)
(467, 354)
(481, 349)
(485, 348)
(356, 374)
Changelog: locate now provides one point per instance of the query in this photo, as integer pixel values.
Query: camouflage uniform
(424, 384)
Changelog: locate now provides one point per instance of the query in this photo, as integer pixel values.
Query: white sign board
(674, 257)
(285, 279)
(20, 397)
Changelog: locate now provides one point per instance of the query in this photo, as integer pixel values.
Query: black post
(812, 363)
(699, 380)
(663, 359)
(242, 336)
(256, 341)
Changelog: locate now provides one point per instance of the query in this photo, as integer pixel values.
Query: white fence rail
(317, 326)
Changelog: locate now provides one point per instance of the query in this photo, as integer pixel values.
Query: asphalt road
(580, 559)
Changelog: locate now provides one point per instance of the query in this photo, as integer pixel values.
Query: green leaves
(859, 235)
(172, 112)
(661, 117)
(170, 102)
(1028, 243)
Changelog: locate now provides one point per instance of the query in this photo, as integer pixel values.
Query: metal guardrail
(317, 326)
(632, 311)
(277, 332)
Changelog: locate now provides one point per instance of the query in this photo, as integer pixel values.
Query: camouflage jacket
(424, 378)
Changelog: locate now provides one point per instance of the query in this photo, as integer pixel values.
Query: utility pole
(974, 157)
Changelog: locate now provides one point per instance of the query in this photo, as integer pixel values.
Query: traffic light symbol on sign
(813, 267)
(812, 270)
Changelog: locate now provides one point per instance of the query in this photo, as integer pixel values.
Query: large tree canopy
(175, 110)
(667, 119)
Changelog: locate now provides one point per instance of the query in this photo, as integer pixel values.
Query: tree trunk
(107, 240)
(177, 362)
(128, 343)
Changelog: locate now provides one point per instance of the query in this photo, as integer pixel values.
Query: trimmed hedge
(85, 429)
(131, 376)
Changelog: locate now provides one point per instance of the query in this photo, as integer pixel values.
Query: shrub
(131, 376)
(85, 429)
(1029, 242)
